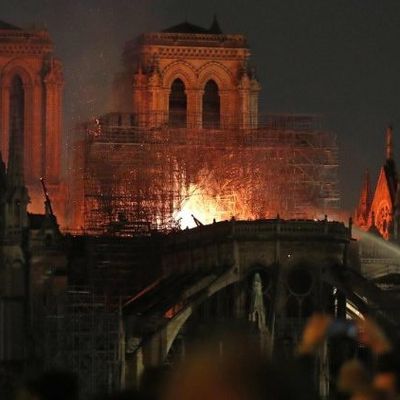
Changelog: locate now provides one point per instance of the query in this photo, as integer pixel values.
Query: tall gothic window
(177, 105)
(17, 101)
(211, 106)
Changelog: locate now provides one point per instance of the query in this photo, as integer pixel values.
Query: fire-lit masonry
(127, 289)
(188, 139)
(31, 83)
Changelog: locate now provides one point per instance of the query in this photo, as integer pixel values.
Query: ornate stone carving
(195, 59)
(29, 55)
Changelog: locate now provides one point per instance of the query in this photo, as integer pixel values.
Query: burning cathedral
(186, 138)
(188, 144)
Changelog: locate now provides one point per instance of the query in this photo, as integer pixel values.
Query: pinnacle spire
(389, 143)
(365, 198)
(364, 204)
(215, 28)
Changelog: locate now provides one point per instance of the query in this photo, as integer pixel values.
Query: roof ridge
(188, 27)
(6, 26)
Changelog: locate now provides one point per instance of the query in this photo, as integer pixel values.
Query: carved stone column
(244, 111)
(52, 153)
(194, 108)
(227, 109)
(254, 93)
(5, 112)
(33, 137)
(154, 99)
(164, 106)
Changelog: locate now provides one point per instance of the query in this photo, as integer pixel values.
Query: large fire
(211, 200)
(201, 206)
(165, 177)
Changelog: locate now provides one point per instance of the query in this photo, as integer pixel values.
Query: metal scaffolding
(83, 334)
(137, 178)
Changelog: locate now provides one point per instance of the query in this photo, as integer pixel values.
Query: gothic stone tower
(189, 77)
(31, 78)
(381, 211)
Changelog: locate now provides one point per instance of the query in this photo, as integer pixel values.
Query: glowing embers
(208, 201)
(199, 205)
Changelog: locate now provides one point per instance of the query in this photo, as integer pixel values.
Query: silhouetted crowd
(246, 373)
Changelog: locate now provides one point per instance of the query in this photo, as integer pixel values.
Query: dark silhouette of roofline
(7, 26)
(187, 27)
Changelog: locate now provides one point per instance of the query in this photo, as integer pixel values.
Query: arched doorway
(211, 106)
(177, 105)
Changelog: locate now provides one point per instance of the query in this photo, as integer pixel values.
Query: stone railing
(263, 230)
(193, 39)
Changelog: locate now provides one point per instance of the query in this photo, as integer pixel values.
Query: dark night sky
(339, 57)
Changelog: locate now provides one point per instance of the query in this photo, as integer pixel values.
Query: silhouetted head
(55, 385)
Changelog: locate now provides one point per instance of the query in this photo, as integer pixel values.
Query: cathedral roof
(187, 27)
(364, 204)
(215, 28)
(7, 26)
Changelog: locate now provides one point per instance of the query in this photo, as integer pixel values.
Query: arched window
(177, 105)
(211, 106)
(17, 107)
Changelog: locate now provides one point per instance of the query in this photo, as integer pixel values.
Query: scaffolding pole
(138, 177)
(82, 335)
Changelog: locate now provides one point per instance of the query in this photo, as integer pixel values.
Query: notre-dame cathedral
(191, 83)
(186, 120)
(188, 76)
(186, 126)
(31, 84)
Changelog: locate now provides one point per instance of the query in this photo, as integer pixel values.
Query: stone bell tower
(187, 76)
(31, 82)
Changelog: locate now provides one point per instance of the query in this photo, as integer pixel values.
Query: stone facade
(201, 73)
(290, 262)
(30, 142)
(28, 56)
(31, 252)
(379, 212)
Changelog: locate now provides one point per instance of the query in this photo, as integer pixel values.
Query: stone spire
(215, 28)
(257, 312)
(364, 204)
(389, 143)
(390, 165)
(396, 215)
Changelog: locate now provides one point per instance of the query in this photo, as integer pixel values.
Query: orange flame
(202, 206)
